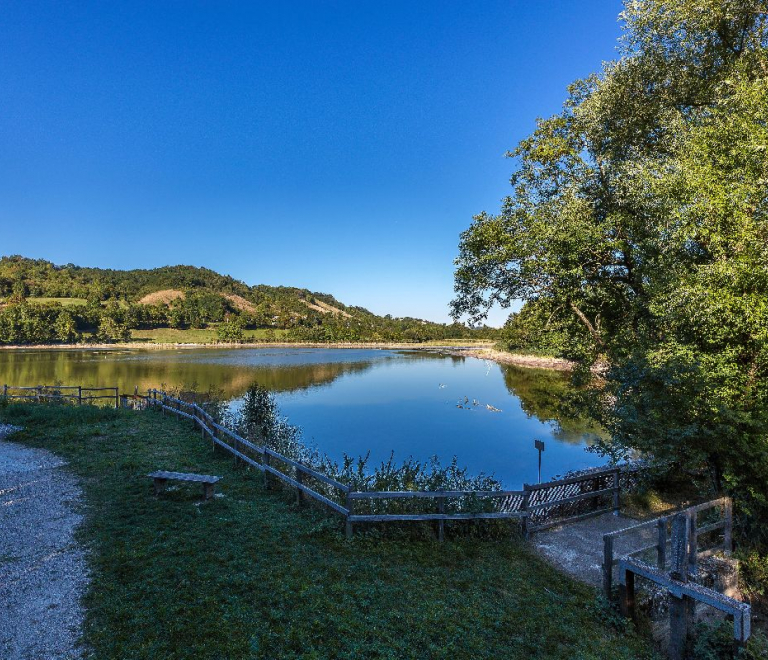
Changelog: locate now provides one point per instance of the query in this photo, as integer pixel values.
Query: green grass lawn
(249, 575)
(195, 336)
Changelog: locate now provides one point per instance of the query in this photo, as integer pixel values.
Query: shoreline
(519, 359)
(273, 344)
(479, 351)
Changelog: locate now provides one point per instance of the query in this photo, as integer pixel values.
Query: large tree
(638, 219)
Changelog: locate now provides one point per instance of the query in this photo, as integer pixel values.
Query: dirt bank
(501, 357)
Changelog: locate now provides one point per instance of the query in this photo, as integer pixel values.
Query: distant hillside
(42, 302)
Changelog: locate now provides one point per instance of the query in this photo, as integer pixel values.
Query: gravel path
(42, 570)
(577, 548)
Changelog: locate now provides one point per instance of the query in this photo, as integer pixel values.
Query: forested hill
(41, 303)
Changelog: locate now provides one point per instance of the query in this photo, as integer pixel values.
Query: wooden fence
(679, 578)
(62, 393)
(660, 528)
(534, 507)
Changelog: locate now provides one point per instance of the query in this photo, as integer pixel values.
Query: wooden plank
(233, 451)
(404, 517)
(50, 387)
(15, 387)
(677, 588)
(711, 528)
(184, 476)
(679, 547)
(173, 410)
(45, 396)
(728, 529)
(205, 414)
(568, 500)
(708, 505)
(572, 480)
(406, 494)
(315, 495)
(661, 543)
(234, 436)
(308, 470)
(441, 523)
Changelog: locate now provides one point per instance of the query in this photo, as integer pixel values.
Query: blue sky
(337, 146)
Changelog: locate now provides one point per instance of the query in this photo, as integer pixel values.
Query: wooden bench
(161, 476)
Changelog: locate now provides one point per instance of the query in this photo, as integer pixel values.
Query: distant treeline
(105, 305)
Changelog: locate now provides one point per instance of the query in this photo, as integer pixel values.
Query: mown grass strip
(248, 575)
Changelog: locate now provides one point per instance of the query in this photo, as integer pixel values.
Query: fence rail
(78, 393)
(662, 540)
(679, 579)
(535, 506)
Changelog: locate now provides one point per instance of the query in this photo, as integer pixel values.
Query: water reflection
(542, 393)
(226, 371)
(350, 401)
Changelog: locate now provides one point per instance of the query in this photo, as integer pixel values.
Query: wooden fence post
(299, 492)
(117, 399)
(616, 492)
(441, 523)
(39, 392)
(526, 524)
(607, 565)
(661, 543)
(728, 528)
(680, 609)
(627, 593)
(79, 395)
(266, 472)
(693, 543)
(349, 530)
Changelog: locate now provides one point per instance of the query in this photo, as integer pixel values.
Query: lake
(413, 403)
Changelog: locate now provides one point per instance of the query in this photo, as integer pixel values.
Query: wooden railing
(661, 542)
(71, 393)
(587, 494)
(678, 579)
(535, 506)
(264, 459)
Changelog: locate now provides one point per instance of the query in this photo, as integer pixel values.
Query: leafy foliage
(637, 234)
(121, 301)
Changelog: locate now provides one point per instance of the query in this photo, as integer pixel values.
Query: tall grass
(259, 420)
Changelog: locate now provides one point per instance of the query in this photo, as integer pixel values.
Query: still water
(412, 403)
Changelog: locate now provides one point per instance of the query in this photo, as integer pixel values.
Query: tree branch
(591, 328)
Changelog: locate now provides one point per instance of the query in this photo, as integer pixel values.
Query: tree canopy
(636, 234)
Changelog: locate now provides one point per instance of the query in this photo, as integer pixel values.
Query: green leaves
(637, 234)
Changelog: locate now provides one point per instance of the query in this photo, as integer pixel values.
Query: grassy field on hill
(42, 303)
(248, 575)
(200, 335)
